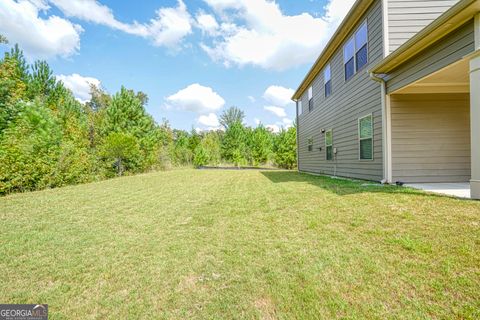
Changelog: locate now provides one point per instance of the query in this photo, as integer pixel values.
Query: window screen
(365, 132)
(329, 145)
(348, 58)
(327, 77)
(310, 99)
(310, 144)
(361, 46)
(355, 52)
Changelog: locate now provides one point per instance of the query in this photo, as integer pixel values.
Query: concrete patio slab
(459, 190)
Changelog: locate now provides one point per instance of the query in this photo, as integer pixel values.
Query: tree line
(49, 139)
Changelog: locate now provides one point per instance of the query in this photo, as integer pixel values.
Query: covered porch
(432, 106)
(434, 131)
(430, 128)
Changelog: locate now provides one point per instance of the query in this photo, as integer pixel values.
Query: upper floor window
(299, 107)
(310, 144)
(361, 46)
(310, 99)
(355, 51)
(327, 77)
(348, 58)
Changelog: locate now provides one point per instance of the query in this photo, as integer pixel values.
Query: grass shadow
(342, 186)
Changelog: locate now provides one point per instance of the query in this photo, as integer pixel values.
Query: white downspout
(296, 133)
(386, 143)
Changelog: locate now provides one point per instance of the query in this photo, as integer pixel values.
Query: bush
(30, 150)
(234, 144)
(260, 145)
(201, 157)
(75, 164)
(285, 149)
(211, 144)
(164, 156)
(121, 151)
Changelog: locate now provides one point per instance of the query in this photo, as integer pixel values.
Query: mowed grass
(192, 244)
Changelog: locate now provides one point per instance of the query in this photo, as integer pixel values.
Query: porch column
(475, 113)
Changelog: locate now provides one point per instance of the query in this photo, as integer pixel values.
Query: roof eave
(348, 23)
(449, 21)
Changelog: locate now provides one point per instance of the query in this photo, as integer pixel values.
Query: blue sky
(192, 58)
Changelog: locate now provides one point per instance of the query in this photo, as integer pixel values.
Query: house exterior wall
(350, 100)
(430, 137)
(408, 17)
(451, 49)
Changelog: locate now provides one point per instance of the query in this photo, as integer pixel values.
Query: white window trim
(355, 71)
(328, 145)
(325, 82)
(360, 139)
(310, 99)
(299, 108)
(365, 22)
(345, 62)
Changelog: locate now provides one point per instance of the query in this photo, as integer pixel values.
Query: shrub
(201, 157)
(164, 156)
(285, 149)
(121, 151)
(30, 150)
(234, 144)
(260, 145)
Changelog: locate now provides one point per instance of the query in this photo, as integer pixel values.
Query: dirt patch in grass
(266, 308)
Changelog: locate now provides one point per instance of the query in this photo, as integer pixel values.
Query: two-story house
(395, 95)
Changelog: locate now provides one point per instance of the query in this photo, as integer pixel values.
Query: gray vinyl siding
(450, 49)
(408, 17)
(349, 101)
(430, 137)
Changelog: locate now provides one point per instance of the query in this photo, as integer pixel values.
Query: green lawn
(240, 245)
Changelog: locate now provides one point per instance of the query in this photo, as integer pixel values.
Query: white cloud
(211, 120)
(252, 99)
(268, 38)
(257, 121)
(273, 127)
(279, 112)
(207, 23)
(219, 128)
(168, 28)
(278, 95)
(196, 98)
(80, 86)
(42, 37)
(277, 126)
(39, 37)
(89, 10)
(287, 122)
(220, 5)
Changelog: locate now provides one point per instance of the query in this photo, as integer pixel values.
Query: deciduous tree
(231, 116)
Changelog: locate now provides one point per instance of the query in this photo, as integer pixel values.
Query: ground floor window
(329, 144)
(365, 134)
(310, 144)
